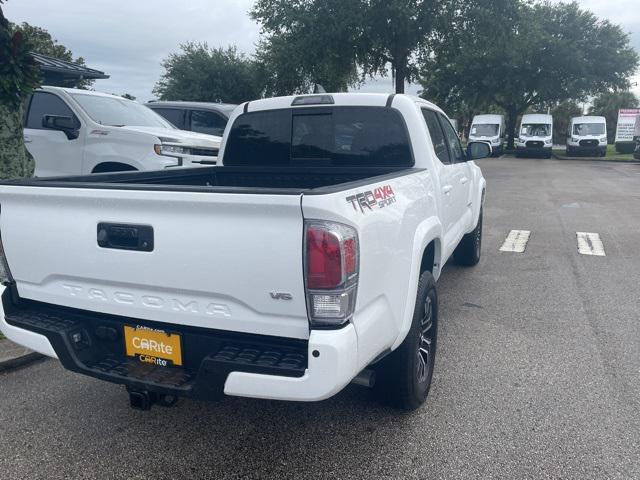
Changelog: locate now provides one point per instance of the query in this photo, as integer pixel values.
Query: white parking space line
(590, 244)
(516, 241)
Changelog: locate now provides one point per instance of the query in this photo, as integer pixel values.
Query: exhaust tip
(366, 378)
(141, 400)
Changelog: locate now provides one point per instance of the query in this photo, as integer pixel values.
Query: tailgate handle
(123, 236)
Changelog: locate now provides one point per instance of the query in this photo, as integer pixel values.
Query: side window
(455, 148)
(203, 121)
(437, 137)
(44, 103)
(173, 115)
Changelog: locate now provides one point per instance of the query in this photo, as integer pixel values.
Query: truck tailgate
(224, 261)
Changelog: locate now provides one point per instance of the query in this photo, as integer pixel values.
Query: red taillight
(332, 271)
(350, 256)
(324, 259)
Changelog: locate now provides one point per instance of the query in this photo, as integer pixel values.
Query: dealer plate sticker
(153, 346)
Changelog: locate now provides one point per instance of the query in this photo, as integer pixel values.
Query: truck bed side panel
(386, 231)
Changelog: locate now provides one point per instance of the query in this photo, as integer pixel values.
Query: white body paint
(227, 260)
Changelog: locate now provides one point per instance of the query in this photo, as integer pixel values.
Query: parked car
(536, 135)
(313, 251)
(202, 117)
(490, 129)
(73, 132)
(587, 135)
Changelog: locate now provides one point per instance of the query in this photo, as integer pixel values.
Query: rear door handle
(446, 189)
(464, 180)
(27, 140)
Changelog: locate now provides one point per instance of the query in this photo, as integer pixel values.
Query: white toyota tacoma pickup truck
(306, 260)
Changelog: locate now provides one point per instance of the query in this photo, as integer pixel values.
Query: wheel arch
(426, 256)
(112, 166)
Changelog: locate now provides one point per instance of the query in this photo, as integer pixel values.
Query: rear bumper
(215, 361)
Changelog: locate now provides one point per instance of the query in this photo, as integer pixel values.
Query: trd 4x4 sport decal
(377, 198)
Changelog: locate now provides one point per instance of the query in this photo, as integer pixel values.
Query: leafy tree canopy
(200, 73)
(41, 41)
(19, 75)
(543, 53)
(339, 43)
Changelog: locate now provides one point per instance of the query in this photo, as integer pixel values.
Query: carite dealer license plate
(153, 346)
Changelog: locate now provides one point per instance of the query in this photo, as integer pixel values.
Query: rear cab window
(320, 136)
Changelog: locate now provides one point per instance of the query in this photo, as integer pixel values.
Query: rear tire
(403, 378)
(469, 249)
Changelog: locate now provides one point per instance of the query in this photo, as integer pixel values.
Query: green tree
(607, 105)
(562, 115)
(543, 53)
(297, 50)
(19, 75)
(42, 42)
(338, 43)
(200, 73)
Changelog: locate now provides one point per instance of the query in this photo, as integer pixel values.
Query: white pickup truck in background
(306, 260)
(74, 132)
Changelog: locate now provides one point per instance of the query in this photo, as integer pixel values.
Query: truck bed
(223, 179)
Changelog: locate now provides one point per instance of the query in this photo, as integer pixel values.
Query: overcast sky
(129, 39)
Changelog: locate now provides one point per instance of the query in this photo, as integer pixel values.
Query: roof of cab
(347, 99)
(537, 118)
(224, 107)
(487, 119)
(48, 88)
(589, 119)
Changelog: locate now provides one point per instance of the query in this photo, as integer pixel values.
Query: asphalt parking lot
(537, 374)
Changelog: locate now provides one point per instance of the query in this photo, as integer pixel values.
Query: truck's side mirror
(64, 124)
(477, 150)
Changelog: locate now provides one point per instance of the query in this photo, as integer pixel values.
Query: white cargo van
(490, 129)
(535, 137)
(587, 135)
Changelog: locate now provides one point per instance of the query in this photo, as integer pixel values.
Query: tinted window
(207, 122)
(437, 136)
(373, 136)
(174, 115)
(43, 104)
(455, 148)
(313, 137)
(260, 138)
